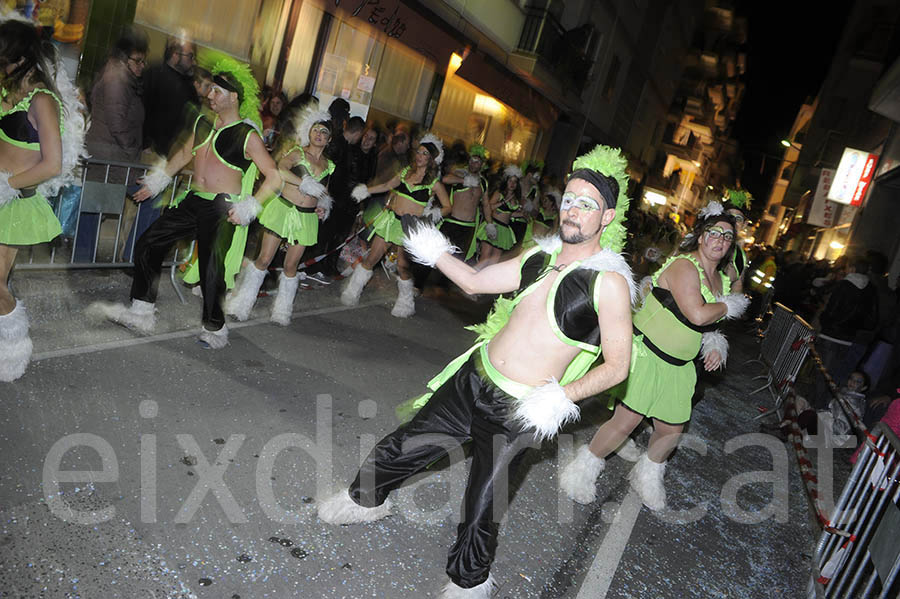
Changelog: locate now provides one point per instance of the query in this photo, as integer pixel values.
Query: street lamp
(789, 144)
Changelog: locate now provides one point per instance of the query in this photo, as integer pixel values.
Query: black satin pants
(459, 235)
(194, 218)
(468, 407)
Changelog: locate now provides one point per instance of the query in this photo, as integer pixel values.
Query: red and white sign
(821, 213)
(853, 176)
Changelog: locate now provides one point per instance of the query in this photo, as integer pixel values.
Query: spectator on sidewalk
(847, 326)
(168, 89)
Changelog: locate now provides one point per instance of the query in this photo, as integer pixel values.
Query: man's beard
(577, 237)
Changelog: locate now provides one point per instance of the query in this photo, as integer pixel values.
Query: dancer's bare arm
(496, 278)
(683, 281)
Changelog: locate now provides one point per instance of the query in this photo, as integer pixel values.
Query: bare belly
(292, 194)
(465, 203)
(212, 176)
(14, 160)
(401, 206)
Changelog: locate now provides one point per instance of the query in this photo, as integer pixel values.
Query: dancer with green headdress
(227, 151)
(737, 205)
(466, 188)
(675, 324)
(535, 357)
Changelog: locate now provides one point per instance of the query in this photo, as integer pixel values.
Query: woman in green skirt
(292, 216)
(41, 139)
(495, 234)
(690, 294)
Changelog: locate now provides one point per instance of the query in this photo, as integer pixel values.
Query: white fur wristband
(246, 210)
(546, 409)
(325, 202)
(425, 244)
(433, 213)
(491, 230)
(736, 303)
(360, 192)
(156, 180)
(471, 180)
(714, 341)
(311, 187)
(7, 192)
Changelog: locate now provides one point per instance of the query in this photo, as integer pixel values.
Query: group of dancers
(569, 323)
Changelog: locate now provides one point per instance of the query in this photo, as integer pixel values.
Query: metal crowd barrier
(858, 554)
(783, 350)
(100, 223)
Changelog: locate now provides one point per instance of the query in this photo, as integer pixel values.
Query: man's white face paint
(584, 203)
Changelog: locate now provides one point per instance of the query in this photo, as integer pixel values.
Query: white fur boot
(355, 284)
(214, 339)
(341, 509)
(284, 301)
(579, 479)
(241, 302)
(140, 316)
(405, 306)
(15, 342)
(647, 479)
(484, 590)
(629, 450)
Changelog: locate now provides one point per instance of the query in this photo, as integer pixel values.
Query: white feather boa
(546, 409)
(714, 341)
(425, 244)
(7, 192)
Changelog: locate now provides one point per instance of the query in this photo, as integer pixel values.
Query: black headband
(225, 84)
(607, 186)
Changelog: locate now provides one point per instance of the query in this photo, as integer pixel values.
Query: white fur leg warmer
(405, 306)
(360, 192)
(214, 339)
(355, 284)
(156, 179)
(629, 450)
(484, 590)
(714, 341)
(139, 317)
(425, 244)
(647, 479)
(341, 509)
(7, 192)
(242, 300)
(246, 210)
(546, 409)
(284, 301)
(16, 344)
(578, 479)
(736, 303)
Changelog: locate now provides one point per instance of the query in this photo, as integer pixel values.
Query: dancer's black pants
(195, 217)
(459, 235)
(468, 407)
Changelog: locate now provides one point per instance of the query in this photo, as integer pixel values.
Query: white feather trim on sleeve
(360, 192)
(7, 192)
(736, 303)
(714, 341)
(246, 210)
(156, 179)
(425, 244)
(546, 409)
(607, 260)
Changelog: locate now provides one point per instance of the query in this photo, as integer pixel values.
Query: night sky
(789, 49)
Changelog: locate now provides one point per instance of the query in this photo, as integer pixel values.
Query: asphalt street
(197, 472)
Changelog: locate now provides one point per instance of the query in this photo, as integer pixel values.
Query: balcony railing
(544, 37)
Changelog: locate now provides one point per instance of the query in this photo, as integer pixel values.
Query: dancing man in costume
(411, 190)
(228, 151)
(690, 294)
(466, 189)
(534, 359)
(41, 141)
(495, 233)
(293, 216)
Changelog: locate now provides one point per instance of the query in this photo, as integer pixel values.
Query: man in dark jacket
(847, 325)
(168, 88)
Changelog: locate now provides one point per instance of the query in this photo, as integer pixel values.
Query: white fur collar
(605, 260)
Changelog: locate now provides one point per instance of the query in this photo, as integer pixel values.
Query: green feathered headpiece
(478, 150)
(240, 74)
(611, 163)
(739, 198)
(529, 163)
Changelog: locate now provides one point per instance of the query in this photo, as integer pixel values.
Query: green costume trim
(705, 291)
(505, 236)
(511, 387)
(473, 245)
(22, 106)
(740, 271)
(28, 221)
(414, 188)
(496, 320)
(387, 226)
(305, 163)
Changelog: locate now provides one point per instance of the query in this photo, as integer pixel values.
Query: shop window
(300, 58)
(350, 67)
(403, 84)
(226, 25)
